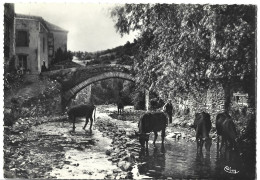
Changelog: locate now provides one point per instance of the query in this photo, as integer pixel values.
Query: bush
(156, 103)
(139, 100)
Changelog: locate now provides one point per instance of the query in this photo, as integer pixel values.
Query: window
(22, 38)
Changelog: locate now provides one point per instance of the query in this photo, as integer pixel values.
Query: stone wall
(210, 101)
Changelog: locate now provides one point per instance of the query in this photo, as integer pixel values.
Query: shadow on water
(179, 159)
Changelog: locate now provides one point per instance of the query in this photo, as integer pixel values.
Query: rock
(183, 136)
(129, 175)
(193, 139)
(66, 162)
(190, 124)
(115, 160)
(178, 136)
(9, 174)
(183, 124)
(125, 166)
(116, 170)
(108, 152)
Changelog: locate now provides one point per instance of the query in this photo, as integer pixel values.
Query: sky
(89, 24)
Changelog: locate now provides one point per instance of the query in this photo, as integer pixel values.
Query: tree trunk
(147, 104)
(227, 96)
(251, 90)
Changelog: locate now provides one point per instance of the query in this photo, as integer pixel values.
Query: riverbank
(48, 149)
(36, 147)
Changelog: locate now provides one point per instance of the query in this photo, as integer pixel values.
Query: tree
(191, 47)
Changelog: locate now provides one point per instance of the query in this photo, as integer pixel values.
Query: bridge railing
(73, 69)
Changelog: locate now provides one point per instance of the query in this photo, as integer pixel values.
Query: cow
(82, 111)
(152, 121)
(120, 107)
(226, 129)
(202, 126)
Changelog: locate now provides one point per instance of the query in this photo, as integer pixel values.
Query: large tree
(191, 47)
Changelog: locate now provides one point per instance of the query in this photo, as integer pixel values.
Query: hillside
(118, 55)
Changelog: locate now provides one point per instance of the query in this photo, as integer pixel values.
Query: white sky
(89, 24)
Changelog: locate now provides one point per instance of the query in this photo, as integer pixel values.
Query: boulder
(108, 152)
(125, 166)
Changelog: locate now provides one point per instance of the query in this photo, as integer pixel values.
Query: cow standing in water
(226, 128)
(120, 107)
(154, 121)
(202, 126)
(82, 111)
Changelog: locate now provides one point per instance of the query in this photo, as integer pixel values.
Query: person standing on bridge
(168, 108)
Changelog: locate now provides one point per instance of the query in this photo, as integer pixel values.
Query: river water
(176, 159)
(179, 159)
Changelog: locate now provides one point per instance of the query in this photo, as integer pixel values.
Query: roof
(48, 25)
(53, 27)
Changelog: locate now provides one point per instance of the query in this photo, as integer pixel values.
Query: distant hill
(118, 55)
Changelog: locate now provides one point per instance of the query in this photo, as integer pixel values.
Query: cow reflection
(202, 165)
(228, 155)
(153, 161)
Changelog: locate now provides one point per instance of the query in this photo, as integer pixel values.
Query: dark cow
(82, 111)
(202, 126)
(227, 129)
(120, 107)
(153, 121)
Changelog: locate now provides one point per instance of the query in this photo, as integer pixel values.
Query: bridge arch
(74, 79)
(69, 94)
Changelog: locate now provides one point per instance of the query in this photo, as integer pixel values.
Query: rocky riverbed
(45, 147)
(35, 147)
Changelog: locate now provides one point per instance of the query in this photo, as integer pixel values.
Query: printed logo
(230, 170)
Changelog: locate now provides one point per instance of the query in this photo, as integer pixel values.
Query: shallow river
(177, 159)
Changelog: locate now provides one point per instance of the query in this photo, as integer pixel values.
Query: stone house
(36, 42)
(9, 49)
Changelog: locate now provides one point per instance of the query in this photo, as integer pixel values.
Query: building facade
(9, 48)
(35, 43)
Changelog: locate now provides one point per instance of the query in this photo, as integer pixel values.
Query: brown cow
(152, 121)
(227, 129)
(202, 126)
(82, 111)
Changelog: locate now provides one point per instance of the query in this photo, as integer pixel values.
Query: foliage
(126, 92)
(61, 55)
(155, 101)
(138, 98)
(190, 47)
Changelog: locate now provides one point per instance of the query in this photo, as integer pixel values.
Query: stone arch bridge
(73, 80)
